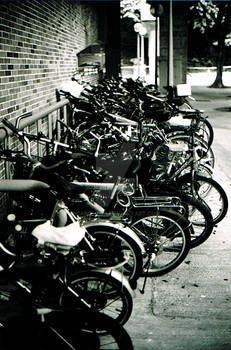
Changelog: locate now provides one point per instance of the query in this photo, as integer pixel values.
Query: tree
(131, 9)
(213, 19)
(130, 14)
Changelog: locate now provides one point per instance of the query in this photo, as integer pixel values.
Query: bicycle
(188, 173)
(26, 324)
(57, 252)
(120, 190)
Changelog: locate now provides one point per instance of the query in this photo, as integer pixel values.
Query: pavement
(190, 307)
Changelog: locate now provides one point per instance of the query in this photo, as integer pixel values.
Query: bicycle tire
(63, 330)
(119, 247)
(89, 330)
(107, 292)
(166, 234)
(207, 127)
(207, 151)
(193, 209)
(200, 217)
(210, 192)
(205, 130)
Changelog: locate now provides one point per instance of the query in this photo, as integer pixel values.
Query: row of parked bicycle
(123, 190)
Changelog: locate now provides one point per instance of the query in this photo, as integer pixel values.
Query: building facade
(39, 42)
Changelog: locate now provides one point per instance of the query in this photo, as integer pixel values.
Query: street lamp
(156, 11)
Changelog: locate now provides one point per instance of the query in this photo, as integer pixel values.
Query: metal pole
(138, 53)
(170, 48)
(156, 50)
(142, 74)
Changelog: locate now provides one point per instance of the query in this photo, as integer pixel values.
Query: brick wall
(39, 40)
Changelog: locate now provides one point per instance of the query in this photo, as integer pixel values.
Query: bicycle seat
(15, 185)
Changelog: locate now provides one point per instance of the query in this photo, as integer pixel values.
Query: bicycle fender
(119, 226)
(117, 275)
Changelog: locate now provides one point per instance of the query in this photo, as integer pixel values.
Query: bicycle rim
(100, 292)
(205, 152)
(166, 237)
(193, 210)
(211, 193)
(114, 249)
(200, 217)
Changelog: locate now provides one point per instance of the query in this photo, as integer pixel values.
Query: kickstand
(146, 276)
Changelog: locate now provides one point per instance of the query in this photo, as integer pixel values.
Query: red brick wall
(39, 40)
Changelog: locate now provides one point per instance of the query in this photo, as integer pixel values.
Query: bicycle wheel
(192, 209)
(206, 131)
(205, 153)
(115, 248)
(200, 217)
(166, 237)
(108, 293)
(210, 192)
(85, 330)
(63, 330)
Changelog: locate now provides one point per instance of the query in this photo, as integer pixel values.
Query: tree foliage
(213, 19)
(131, 9)
(205, 15)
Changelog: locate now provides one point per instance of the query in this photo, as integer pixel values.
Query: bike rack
(35, 117)
(45, 119)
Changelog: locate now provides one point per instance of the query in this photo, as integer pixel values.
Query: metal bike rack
(44, 119)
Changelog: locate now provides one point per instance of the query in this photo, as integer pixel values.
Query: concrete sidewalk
(216, 103)
(189, 308)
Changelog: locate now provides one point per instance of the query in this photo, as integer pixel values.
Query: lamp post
(141, 32)
(156, 10)
(170, 47)
(136, 29)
